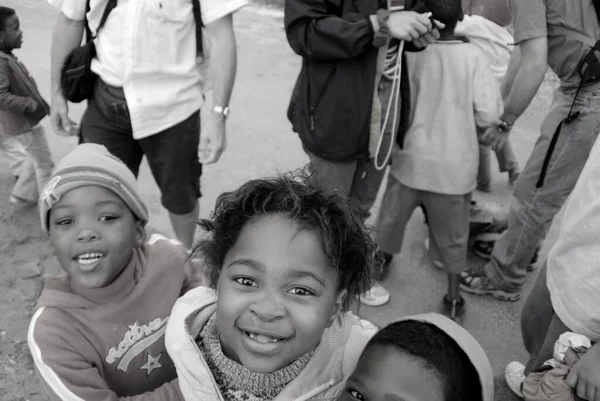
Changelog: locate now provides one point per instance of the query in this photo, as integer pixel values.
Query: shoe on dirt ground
(474, 281)
(436, 263)
(514, 374)
(484, 247)
(376, 296)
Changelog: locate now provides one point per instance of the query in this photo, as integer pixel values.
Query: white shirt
(148, 47)
(452, 90)
(574, 260)
(494, 41)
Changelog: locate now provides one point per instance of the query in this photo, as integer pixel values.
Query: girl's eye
(246, 282)
(356, 395)
(301, 291)
(108, 218)
(63, 222)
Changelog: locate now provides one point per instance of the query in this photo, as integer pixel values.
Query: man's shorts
(172, 154)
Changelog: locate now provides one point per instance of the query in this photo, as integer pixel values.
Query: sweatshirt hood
(468, 344)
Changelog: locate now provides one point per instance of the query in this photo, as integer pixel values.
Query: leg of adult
(365, 185)
(484, 172)
(397, 207)
(173, 158)
(106, 121)
(332, 177)
(532, 209)
(13, 152)
(540, 326)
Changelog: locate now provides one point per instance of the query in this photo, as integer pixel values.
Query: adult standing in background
(150, 89)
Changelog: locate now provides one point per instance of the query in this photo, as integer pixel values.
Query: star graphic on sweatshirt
(151, 364)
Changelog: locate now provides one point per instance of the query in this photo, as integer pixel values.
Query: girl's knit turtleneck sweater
(236, 382)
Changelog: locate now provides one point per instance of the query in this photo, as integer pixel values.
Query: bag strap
(199, 25)
(110, 5)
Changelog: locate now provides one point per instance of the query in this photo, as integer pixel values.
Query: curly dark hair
(439, 352)
(346, 240)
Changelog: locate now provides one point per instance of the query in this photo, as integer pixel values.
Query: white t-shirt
(452, 90)
(574, 260)
(148, 47)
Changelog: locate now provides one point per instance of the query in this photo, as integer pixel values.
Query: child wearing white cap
(98, 333)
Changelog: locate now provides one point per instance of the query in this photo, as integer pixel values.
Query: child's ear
(140, 234)
(337, 307)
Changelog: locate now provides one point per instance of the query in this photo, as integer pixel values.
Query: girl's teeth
(89, 258)
(261, 338)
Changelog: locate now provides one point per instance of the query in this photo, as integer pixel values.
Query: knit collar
(235, 376)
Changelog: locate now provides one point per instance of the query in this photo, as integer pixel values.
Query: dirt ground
(259, 144)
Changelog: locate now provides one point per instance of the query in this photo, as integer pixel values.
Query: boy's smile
(277, 294)
(93, 234)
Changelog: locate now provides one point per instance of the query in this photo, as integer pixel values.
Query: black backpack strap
(199, 25)
(109, 7)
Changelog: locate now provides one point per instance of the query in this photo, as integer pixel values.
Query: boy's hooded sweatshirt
(107, 344)
(468, 344)
(323, 378)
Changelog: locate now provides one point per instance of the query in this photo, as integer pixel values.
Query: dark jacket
(333, 96)
(333, 107)
(21, 104)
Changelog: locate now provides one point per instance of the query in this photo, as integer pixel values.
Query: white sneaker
(376, 296)
(514, 374)
(436, 263)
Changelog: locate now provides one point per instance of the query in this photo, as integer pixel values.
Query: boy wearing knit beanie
(98, 333)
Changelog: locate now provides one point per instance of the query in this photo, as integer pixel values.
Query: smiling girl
(287, 260)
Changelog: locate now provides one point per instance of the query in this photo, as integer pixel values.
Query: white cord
(394, 73)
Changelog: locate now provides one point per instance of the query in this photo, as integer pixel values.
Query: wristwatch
(504, 126)
(224, 111)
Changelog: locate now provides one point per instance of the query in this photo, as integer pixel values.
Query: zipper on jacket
(313, 107)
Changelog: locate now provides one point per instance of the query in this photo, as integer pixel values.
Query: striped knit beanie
(91, 164)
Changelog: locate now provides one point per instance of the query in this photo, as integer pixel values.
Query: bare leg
(184, 226)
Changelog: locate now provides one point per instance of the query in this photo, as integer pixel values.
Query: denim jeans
(540, 326)
(38, 166)
(507, 161)
(533, 209)
(13, 152)
(358, 180)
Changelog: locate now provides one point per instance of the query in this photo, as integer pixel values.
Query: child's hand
(412, 26)
(494, 137)
(584, 377)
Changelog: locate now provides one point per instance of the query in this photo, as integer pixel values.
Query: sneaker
(474, 281)
(436, 263)
(17, 201)
(376, 296)
(514, 374)
(513, 176)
